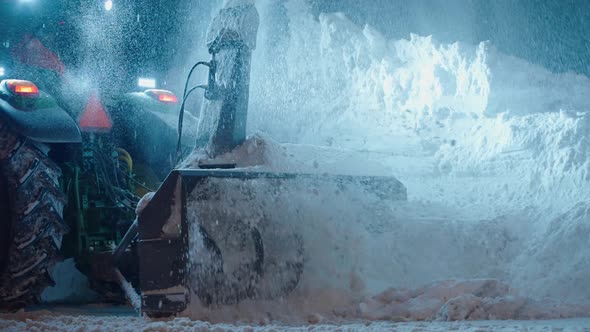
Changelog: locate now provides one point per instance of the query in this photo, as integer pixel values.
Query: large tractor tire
(31, 222)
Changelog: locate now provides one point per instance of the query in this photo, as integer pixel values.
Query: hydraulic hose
(180, 118)
(126, 157)
(185, 95)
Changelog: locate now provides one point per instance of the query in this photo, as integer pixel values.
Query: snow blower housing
(215, 235)
(199, 221)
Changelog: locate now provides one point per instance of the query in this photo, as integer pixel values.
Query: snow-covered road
(109, 320)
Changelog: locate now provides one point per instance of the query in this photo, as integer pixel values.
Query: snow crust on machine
(239, 21)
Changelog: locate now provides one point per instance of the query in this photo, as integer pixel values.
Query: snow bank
(462, 300)
(556, 265)
(479, 138)
(333, 83)
(493, 150)
(334, 75)
(540, 160)
(482, 124)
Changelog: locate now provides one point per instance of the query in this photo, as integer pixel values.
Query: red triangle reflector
(95, 118)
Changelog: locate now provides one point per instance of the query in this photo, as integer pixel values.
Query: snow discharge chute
(228, 227)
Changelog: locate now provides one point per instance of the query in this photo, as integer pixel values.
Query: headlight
(146, 83)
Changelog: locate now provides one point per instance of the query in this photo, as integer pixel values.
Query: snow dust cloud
(493, 151)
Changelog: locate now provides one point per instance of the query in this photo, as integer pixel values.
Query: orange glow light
(162, 95)
(25, 89)
(22, 88)
(168, 98)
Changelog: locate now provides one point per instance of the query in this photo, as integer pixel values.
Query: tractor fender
(47, 125)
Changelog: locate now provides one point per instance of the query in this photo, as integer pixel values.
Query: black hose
(181, 117)
(108, 184)
(191, 73)
(185, 94)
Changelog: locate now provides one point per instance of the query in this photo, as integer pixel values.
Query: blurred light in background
(2, 71)
(146, 82)
(108, 5)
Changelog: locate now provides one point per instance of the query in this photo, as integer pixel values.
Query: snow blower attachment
(218, 234)
(222, 236)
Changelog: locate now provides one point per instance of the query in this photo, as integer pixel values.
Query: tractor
(70, 187)
(217, 230)
(72, 169)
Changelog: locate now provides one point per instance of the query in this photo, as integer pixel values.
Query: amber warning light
(162, 95)
(22, 88)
